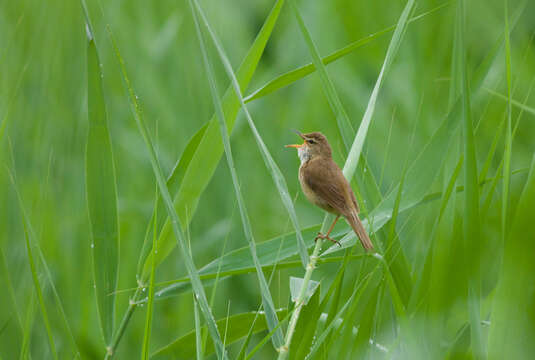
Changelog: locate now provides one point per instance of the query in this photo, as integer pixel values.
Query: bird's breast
(310, 194)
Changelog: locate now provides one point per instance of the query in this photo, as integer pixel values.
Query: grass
(432, 117)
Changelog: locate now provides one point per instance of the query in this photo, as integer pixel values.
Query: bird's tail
(357, 226)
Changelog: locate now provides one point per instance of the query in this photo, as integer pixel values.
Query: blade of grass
(352, 300)
(27, 330)
(33, 269)
(516, 103)
(471, 221)
(217, 276)
(511, 325)
(10, 290)
(175, 220)
(509, 127)
(150, 302)
(101, 192)
(173, 184)
(307, 327)
(274, 170)
(267, 301)
(267, 337)
(335, 104)
(238, 327)
(210, 148)
(423, 275)
(199, 348)
(292, 76)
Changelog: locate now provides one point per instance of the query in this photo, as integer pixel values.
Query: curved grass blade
(424, 274)
(27, 329)
(509, 128)
(175, 220)
(101, 190)
(518, 104)
(335, 104)
(292, 76)
(173, 184)
(307, 326)
(210, 148)
(274, 170)
(150, 301)
(33, 269)
(471, 221)
(199, 348)
(512, 327)
(238, 328)
(267, 301)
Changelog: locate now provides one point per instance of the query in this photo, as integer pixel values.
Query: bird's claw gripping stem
(323, 237)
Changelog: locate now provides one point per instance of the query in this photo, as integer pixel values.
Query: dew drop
(143, 289)
(92, 245)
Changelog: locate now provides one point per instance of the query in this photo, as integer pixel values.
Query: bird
(325, 185)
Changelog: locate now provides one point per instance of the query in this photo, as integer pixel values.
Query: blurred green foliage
(43, 133)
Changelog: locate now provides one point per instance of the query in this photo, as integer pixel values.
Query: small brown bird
(324, 184)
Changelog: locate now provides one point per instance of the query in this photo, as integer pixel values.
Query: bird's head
(315, 145)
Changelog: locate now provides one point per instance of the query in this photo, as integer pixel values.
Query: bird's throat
(304, 154)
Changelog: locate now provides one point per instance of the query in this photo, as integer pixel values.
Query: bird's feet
(323, 237)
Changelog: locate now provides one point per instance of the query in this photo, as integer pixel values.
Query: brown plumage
(324, 184)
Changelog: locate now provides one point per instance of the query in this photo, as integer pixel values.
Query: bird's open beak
(297, 146)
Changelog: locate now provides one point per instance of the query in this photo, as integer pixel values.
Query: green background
(43, 114)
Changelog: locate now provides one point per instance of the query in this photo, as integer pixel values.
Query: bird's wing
(352, 194)
(327, 182)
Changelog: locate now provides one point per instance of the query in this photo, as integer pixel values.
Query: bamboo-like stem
(300, 302)
(110, 350)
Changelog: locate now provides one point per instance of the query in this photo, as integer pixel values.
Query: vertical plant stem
(150, 302)
(352, 160)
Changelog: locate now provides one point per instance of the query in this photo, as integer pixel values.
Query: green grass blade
(267, 301)
(307, 326)
(10, 289)
(292, 76)
(335, 104)
(150, 302)
(238, 327)
(199, 349)
(351, 302)
(358, 142)
(518, 104)
(210, 148)
(33, 268)
(267, 337)
(512, 325)
(175, 221)
(471, 221)
(27, 329)
(173, 184)
(274, 170)
(509, 127)
(423, 275)
(101, 194)
(361, 344)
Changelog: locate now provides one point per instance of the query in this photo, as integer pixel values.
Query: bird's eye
(310, 141)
